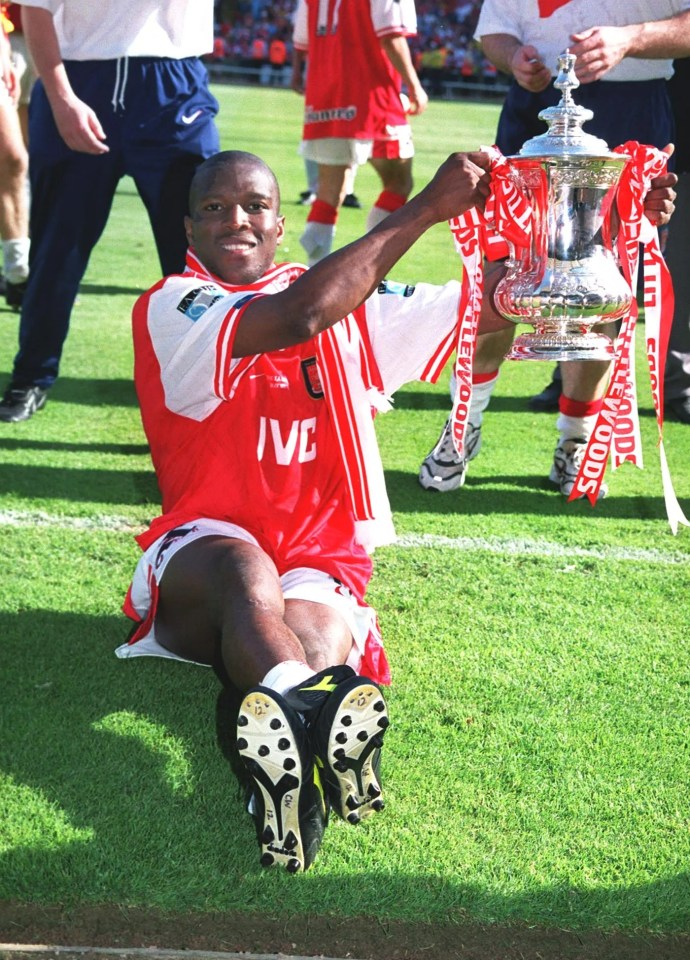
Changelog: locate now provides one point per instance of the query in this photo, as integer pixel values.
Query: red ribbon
(547, 7)
(616, 430)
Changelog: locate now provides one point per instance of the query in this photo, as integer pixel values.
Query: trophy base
(562, 346)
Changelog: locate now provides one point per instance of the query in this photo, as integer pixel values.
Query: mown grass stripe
(506, 546)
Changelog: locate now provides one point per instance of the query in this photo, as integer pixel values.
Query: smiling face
(235, 225)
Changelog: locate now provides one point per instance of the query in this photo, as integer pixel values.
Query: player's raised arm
(342, 281)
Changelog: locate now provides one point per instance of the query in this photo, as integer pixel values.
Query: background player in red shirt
(358, 60)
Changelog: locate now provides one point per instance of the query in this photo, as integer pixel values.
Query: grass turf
(537, 765)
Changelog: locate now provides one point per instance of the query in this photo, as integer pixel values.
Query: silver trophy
(567, 281)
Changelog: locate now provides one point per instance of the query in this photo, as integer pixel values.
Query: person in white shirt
(121, 91)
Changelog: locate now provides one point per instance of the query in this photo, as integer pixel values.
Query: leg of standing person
(350, 200)
(319, 232)
(162, 157)
(396, 183)
(72, 195)
(311, 170)
(14, 206)
(584, 385)
(677, 373)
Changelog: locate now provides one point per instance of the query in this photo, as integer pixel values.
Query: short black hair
(226, 158)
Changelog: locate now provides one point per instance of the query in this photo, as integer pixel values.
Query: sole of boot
(268, 745)
(352, 746)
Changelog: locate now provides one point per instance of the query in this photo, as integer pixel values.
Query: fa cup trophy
(566, 280)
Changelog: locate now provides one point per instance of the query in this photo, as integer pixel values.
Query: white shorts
(302, 583)
(24, 65)
(336, 151)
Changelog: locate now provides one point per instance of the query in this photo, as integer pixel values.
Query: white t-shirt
(551, 34)
(107, 30)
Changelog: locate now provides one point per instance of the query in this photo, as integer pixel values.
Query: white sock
(481, 396)
(15, 255)
(317, 240)
(286, 675)
(575, 428)
(376, 215)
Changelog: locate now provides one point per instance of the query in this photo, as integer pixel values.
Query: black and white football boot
(289, 803)
(347, 718)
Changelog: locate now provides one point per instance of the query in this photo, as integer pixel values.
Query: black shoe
(14, 294)
(352, 201)
(306, 198)
(290, 807)
(309, 697)
(678, 410)
(547, 400)
(347, 736)
(21, 403)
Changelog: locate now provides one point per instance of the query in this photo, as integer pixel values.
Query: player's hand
(419, 100)
(659, 201)
(79, 126)
(529, 69)
(462, 182)
(599, 50)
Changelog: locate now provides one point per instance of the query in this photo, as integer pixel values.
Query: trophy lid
(565, 136)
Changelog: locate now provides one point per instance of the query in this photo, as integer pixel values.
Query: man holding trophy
(622, 68)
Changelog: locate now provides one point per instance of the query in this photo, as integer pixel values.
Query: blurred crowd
(257, 35)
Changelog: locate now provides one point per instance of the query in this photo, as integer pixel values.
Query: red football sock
(322, 212)
(579, 408)
(484, 377)
(389, 201)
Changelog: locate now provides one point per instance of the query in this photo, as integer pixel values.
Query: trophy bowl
(567, 280)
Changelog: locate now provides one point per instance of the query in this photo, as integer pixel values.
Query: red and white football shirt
(251, 441)
(352, 90)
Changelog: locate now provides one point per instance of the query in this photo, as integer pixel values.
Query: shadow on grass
(534, 495)
(127, 801)
(410, 399)
(24, 443)
(113, 392)
(79, 485)
(105, 289)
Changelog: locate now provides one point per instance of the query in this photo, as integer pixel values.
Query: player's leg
(14, 207)
(319, 231)
(443, 469)
(222, 595)
(584, 385)
(395, 173)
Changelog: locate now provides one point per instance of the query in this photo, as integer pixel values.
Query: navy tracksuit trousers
(158, 117)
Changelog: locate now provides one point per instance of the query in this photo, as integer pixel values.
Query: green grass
(537, 766)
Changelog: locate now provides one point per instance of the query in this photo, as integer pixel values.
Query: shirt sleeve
(300, 31)
(406, 325)
(499, 18)
(191, 325)
(394, 18)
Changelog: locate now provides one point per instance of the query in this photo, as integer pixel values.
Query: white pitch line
(38, 518)
(505, 546)
(539, 548)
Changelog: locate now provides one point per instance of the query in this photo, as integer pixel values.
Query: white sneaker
(567, 459)
(443, 469)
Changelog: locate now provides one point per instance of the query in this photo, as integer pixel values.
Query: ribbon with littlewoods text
(616, 431)
(505, 224)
